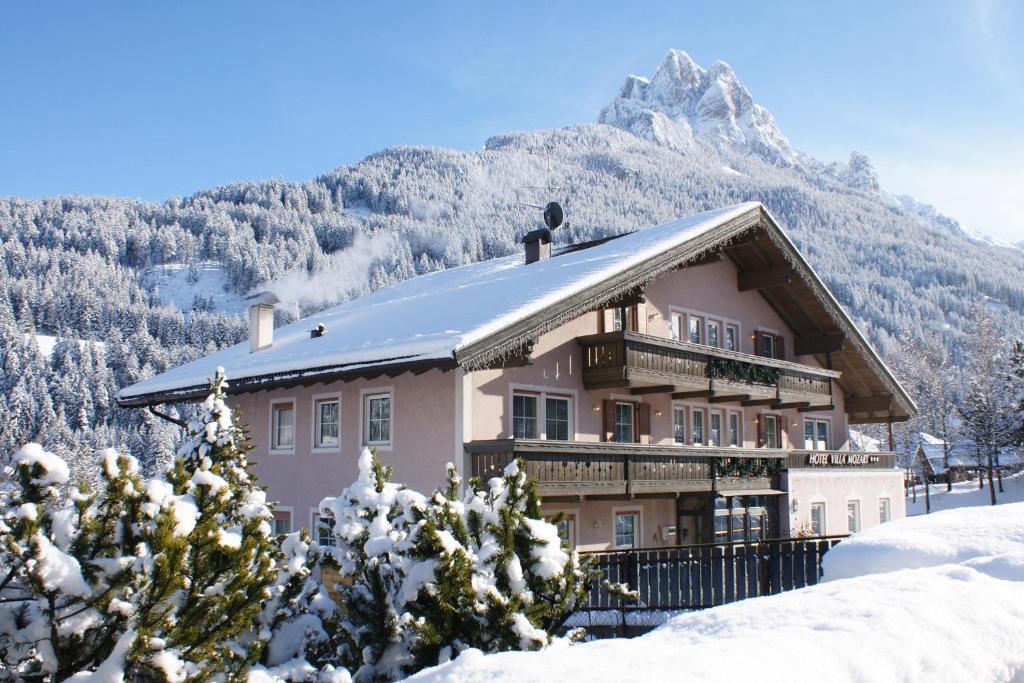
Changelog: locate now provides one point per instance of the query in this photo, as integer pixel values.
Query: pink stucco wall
(834, 488)
(423, 434)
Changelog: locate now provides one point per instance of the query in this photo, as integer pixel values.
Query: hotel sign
(835, 459)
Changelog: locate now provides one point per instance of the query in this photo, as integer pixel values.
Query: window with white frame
(735, 424)
(282, 521)
(715, 428)
(732, 337)
(326, 416)
(676, 326)
(772, 426)
(627, 529)
(768, 345)
(697, 427)
(282, 426)
(816, 434)
(524, 416)
(818, 519)
(323, 529)
(377, 419)
(853, 516)
(624, 422)
(714, 333)
(536, 414)
(884, 510)
(557, 418)
(565, 522)
(679, 425)
(696, 329)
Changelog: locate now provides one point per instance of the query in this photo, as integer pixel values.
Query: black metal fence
(700, 576)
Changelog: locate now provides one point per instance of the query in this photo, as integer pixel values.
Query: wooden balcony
(645, 363)
(577, 468)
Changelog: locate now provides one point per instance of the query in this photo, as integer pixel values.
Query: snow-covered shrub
(426, 579)
(72, 568)
(176, 578)
(374, 520)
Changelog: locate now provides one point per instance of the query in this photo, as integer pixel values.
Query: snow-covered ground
(966, 494)
(936, 598)
(172, 281)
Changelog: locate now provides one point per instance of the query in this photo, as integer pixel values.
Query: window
(853, 515)
(323, 529)
(566, 527)
(742, 518)
(556, 418)
(732, 337)
(677, 326)
(624, 432)
(283, 426)
(734, 430)
(377, 425)
(679, 425)
(772, 431)
(696, 330)
(619, 318)
(282, 521)
(714, 333)
(769, 345)
(818, 519)
(627, 529)
(816, 434)
(884, 510)
(536, 409)
(326, 427)
(697, 427)
(715, 428)
(524, 416)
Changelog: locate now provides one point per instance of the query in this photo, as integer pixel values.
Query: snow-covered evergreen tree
(374, 522)
(423, 580)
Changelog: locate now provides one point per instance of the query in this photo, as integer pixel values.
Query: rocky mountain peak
(684, 104)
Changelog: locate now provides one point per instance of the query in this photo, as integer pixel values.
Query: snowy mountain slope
(82, 267)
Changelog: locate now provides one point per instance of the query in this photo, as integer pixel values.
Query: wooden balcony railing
(571, 468)
(585, 468)
(616, 359)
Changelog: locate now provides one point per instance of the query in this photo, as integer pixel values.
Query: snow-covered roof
(432, 316)
(962, 453)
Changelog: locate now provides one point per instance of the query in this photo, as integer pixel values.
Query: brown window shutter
(643, 422)
(780, 348)
(608, 419)
(761, 430)
(759, 343)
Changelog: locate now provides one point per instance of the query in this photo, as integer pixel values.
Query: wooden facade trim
(308, 377)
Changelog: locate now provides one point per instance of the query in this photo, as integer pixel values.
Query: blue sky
(154, 100)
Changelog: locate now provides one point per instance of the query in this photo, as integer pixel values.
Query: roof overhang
(767, 261)
(306, 377)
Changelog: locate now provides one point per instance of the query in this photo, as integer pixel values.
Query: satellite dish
(553, 215)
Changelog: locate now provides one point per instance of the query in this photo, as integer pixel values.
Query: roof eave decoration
(509, 342)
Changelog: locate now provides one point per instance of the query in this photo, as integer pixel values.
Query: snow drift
(956, 615)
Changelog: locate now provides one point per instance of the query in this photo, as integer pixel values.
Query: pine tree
(228, 571)
(425, 580)
(72, 568)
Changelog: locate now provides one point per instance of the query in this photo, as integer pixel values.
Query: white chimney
(261, 320)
